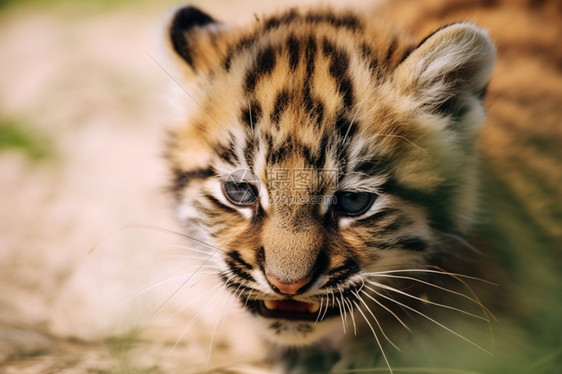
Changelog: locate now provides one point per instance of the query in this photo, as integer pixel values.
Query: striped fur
(357, 108)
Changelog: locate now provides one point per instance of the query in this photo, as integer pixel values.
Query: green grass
(121, 347)
(18, 137)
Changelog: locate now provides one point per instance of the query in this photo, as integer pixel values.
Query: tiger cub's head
(320, 151)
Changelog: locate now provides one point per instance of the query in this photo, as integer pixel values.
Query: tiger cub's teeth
(270, 304)
(313, 307)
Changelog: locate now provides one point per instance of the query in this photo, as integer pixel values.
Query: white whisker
(376, 320)
(193, 320)
(248, 298)
(430, 319)
(387, 309)
(186, 248)
(192, 257)
(172, 232)
(460, 294)
(319, 309)
(188, 94)
(350, 306)
(326, 308)
(376, 337)
(343, 307)
(222, 311)
(152, 286)
(431, 271)
(380, 285)
(193, 301)
(341, 316)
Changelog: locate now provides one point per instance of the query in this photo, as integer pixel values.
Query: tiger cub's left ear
(450, 69)
(195, 39)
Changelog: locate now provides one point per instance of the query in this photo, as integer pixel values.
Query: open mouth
(291, 310)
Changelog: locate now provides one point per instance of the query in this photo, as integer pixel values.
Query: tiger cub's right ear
(195, 38)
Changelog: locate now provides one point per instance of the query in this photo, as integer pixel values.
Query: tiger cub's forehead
(304, 82)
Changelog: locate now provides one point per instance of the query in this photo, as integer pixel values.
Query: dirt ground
(83, 110)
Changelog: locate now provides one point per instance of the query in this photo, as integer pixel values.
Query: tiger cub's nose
(291, 288)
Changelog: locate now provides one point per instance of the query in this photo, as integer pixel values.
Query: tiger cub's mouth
(291, 310)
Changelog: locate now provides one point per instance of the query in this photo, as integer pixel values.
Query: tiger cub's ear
(449, 70)
(195, 39)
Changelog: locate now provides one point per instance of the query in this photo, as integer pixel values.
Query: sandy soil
(80, 289)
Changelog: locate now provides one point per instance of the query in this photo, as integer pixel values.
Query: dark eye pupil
(240, 193)
(354, 203)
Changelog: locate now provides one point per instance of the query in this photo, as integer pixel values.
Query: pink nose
(287, 288)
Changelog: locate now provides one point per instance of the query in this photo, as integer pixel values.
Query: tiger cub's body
(330, 167)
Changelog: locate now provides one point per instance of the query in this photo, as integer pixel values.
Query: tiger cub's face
(320, 151)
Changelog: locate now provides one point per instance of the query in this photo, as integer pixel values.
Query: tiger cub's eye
(353, 203)
(240, 193)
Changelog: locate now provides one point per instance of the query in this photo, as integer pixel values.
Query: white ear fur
(456, 60)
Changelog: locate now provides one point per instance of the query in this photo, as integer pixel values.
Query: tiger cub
(328, 164)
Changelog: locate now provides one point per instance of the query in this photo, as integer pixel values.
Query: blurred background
(84, 253)
(83, 119)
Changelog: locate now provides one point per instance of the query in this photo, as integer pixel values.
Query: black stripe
(391, 48)
(341, 273)
(406, 53)
(397, 224)
(339, 66)
(339, 59)
(318, 112)
(346, 90)
(250, 150)
(236, 257)
(268, 139)
(315, 159)
(238, 271)
(370, 56)
(260, 258)
(323, 151)
(227, 153)
(348, 264)
(265, 63)
(244, 43)
(380, 215)
(182, 178)
(344, 128)
(314, 107)
(251, 80)
(348, 21)
(310, 55)
(276, 21)
(307, 98)
(279, 106)
(251, 114)
(412, 244)
(308, 155)
(227, 279)
(294, 52)
(373, 166)
(281, 153)
(437, 203)
(217, 204)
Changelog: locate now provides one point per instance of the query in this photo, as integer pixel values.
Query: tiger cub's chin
(290, 333)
